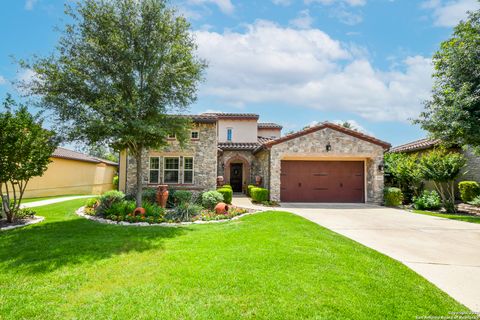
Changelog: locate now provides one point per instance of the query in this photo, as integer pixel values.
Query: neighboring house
(72, 172)
(471, 170)
(325, 163)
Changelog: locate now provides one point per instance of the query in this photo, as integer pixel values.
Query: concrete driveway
(446, 252)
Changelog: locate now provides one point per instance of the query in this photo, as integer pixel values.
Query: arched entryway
(237, 173)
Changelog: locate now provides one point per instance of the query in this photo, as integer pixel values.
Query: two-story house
(324, 163)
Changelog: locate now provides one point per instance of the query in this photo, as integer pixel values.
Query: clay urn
(162, 195)
(258, 180)
(139, 211)
(221, 208)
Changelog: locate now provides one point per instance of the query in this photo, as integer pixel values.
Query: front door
(236, 176)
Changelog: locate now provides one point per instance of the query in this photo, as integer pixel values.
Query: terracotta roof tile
(74, 155)
(333, 126)
(226, 115)
(269, 125)
(421, 144)
(238, 145)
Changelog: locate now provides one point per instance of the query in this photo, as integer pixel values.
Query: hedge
(393, 197)
(468, 190)
(249, 189)
(227, 194)
(259, 194)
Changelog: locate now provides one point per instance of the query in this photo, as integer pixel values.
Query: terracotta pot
(139, 211)
(162, 195)
(258, 180)
(221, 208)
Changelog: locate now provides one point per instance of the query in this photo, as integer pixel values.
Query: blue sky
(294, 62)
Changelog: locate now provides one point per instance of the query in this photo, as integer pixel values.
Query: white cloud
(29, 4)
(449, 13)
(2, 80)
(353, 3)
(303, 20)
(307, 68)
(226, 6)
(346, 16)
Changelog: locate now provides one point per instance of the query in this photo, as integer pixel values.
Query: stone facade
(261, 167)
(472, 168)
(228, 157)
(344, 146)
(203, 151)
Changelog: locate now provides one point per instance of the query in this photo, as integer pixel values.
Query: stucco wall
(344, 147)
(64, 177)
(243, 130)
(203, 150)
(270, 133)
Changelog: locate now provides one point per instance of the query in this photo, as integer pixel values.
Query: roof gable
(332, 126)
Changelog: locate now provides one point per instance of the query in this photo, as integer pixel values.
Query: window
(229, 134)
(195, 135)
(154, 170)
(172, 136)
(188, 170)
(170, 170)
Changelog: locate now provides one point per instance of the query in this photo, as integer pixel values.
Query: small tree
(442, 168)
(403, 171)
(120, 70)
(25, 151)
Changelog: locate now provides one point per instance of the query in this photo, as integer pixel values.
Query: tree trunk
(138, 196)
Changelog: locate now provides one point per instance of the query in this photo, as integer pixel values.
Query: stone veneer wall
(225, 156)
(262, 167)
(343, 146)
(472, 168)
(203, 150)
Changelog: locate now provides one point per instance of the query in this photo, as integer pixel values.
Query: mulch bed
(4, 225)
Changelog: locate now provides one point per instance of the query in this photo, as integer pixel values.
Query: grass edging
(81, 212)
(36, 219)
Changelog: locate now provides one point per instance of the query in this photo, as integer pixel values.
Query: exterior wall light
(328, 147)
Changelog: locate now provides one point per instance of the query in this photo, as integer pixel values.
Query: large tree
(25, 151)
(120, 71)
(453, 112)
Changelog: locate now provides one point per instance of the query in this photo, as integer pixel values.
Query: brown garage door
(322, 181)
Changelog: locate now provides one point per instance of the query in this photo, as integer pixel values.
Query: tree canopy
(118, 74)
(25, 151)
(453, 112)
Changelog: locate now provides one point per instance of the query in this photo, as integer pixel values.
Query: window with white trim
(154, 170)
(172, 136)
(171, 168)
(188, 170)
(195, 135)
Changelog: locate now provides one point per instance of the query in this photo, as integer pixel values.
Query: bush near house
(475, 202)
(249, 189)
(468, 190)
(429, 200)
(226, 186)
(393, 197)
(211, 198)
(227, 194)
(259, 194)
(182, 196)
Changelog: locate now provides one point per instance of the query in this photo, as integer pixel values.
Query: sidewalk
(53, 200)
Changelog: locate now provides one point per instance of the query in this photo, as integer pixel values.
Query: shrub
(249, 189)
(171, 198)
(107, 199)
(25, 213)
(115, 182)
(429, 200)
(149, 195)
(469, 190)
(120, 208)
(184, 212)
(393, 197)
(153, 210)
(259, 194)
(226, 186)
(211, 198)
(227, 194)
(91, 202)
(475, 201)
(182, 196)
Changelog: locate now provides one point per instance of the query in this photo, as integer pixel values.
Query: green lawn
(460, 217)
(272, 265)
